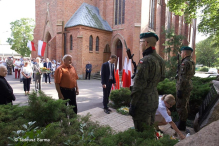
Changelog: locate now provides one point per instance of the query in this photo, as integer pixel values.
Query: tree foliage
(209, 17)
(21, 32)
(207, 52)
(172, 45)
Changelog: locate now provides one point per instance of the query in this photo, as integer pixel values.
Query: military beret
(148, 34)
(186, 48)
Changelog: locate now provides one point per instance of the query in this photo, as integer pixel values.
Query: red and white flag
(41, 48)
(30, 45)
(125, 74)
(117, 75)
(130, 82)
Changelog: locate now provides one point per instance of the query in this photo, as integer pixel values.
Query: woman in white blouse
(162, 116)
(27, 74)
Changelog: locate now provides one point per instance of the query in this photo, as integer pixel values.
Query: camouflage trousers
(147, 119)
(9, 70)
(182, 105)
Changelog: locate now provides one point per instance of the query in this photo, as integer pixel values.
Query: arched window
(97, 44)
(91, 43)
(107, 49)
(71, 42)
(152, 14)
(119, 12)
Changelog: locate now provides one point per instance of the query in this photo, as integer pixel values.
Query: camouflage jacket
(9, 63)
(150, 71)
(185, 73)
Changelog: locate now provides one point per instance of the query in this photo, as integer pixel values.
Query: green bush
(167, 87)
(204, 68)
(133, 138)
(121, 97)
(60, 129)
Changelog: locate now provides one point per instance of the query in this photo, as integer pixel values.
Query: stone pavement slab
(117, 121)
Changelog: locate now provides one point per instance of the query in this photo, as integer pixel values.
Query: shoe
(109, 110)
(50, 83)
(106, 111)
(45, 83)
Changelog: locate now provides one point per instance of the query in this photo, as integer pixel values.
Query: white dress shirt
(162, 110)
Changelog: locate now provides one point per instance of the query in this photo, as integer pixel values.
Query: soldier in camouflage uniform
(150, 71)
(186, 71)
(9, 64)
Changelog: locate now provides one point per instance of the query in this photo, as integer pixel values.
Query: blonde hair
(151, 41)
(169, 98)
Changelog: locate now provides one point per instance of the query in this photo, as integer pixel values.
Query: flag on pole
(130, 82)
(125, 74)
(117, 75)
(41, 48)
(30, 45)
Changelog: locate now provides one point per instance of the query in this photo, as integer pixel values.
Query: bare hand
(104, 86)
(182, 136)
(77, 92)
(61, 96)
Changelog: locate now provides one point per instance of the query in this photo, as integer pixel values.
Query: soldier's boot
(181, 125)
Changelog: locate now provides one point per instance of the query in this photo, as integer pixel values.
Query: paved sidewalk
(90, 92)
(117, 121)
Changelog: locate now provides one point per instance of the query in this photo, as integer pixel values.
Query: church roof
(88, 15)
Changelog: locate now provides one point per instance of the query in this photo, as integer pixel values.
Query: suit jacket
(49, 65)
(6, 95)
(105, 73)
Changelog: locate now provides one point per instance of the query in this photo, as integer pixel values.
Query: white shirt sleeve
(163, 112)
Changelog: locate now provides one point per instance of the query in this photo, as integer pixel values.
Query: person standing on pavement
(27, 74)
(66, 82)
(9, 65)
(88, 70)
(186, 71)
(48, 65)
(53, 68)
(17, 68)
(107, 79)
(144, 95)
(37, 74)
(6, 95)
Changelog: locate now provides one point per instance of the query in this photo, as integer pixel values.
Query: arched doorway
(106, 53)
(119, 53)
(48, 38)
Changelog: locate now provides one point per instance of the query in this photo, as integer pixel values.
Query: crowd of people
(27, 70)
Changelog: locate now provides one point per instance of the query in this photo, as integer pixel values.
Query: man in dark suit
(6, 95)
(107, 79)
(47, 64)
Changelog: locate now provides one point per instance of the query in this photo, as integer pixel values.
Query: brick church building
(92, 30)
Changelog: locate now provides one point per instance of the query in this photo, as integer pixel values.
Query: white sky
(12, 10)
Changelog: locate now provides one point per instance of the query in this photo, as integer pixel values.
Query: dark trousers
(47, 75)
(13, 68)
(70, 94)
(87, 74)
(106, 93)
(27, 84)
